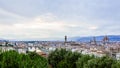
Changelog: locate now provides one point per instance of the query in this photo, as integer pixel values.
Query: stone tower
(65, 38)
(105, 40)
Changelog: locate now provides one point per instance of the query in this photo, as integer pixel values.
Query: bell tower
(105, 40)
(65, 38)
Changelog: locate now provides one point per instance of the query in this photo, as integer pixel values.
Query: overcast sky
(53, 19)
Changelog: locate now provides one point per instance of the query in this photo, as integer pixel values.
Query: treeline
(12, 59)
(67, 59)
(57, 59)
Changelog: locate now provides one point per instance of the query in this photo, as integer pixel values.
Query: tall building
(65, 42)
(65, 38)
(105, 40)
(93, 41)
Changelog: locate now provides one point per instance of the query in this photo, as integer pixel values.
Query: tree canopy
(63, 58)
(12, 59)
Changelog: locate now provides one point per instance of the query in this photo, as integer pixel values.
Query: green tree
(56, 56)
(63, 58)
(82, 61)
(116, 64)
(12, 59)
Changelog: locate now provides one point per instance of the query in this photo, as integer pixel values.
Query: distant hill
(82, 39)
(1, 40)
(98, 38)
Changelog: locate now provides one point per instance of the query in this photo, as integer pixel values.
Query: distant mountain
(82, 39)
(98, 38)
(3, 40)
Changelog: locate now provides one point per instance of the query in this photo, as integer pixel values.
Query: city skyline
(45, 19)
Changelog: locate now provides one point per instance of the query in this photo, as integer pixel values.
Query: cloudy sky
(53, 19)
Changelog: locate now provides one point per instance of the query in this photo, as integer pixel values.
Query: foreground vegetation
(67, 59)
(12, 59)
(57, 59)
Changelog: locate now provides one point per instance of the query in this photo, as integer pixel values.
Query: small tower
(105, 40)
(93, 41)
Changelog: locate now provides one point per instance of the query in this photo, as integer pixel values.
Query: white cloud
(7, 13)
(44, 26)
(38, 27)
(93, 27)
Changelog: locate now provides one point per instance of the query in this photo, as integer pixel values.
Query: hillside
(98, 38)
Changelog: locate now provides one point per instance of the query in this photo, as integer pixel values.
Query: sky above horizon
(53, 19)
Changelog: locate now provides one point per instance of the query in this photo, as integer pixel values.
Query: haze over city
(53, 19)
